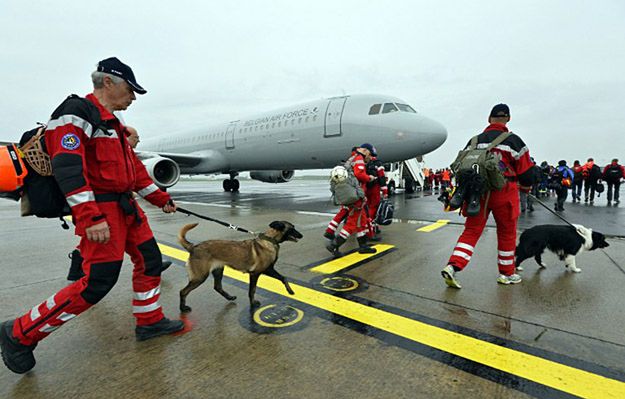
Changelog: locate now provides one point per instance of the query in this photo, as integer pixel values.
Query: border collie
(564, 241)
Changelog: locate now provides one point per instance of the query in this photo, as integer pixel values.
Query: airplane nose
(433, 134)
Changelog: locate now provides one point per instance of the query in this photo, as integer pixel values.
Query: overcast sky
(560, 65)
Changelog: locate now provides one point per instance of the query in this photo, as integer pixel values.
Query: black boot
(458, 198)
(328, 235)
(75, 268)
(474, 194)
(17, 357)
(333, 246)
(161, 327)
(364, 248)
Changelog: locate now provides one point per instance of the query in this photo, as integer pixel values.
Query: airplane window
(389, 107)
(406, 108)
(375, 109)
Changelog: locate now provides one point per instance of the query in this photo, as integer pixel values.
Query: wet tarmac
(382, 326)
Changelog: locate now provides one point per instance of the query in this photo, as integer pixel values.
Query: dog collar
(262, 236)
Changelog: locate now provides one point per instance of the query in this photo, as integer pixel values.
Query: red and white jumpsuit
(374, 191)
(504, 204)
(97, 171)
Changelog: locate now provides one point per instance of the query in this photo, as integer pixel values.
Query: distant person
(591, 174)
(561, 182)
(612, 174)
(578, 181)
(446, 179)
(504, 204)
(526, 200)
(96, 170)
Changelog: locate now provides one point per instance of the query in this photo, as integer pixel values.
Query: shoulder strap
(473, 144)
(500, 139)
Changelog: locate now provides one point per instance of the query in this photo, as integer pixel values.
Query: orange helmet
(12, 168)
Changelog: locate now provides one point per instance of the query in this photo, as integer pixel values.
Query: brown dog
(257, 256)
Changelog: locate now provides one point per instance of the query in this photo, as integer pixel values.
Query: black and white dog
(564, 241)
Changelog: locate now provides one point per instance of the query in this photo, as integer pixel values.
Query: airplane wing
(185, 160)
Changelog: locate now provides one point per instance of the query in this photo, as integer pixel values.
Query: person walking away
(578, 181)
(591, 173)
(375, 190)
(504, 204)
(612, 174)
(356, 216)
(96, 170)
(562, 180)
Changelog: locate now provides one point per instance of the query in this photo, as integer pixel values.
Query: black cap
(370, 147)
(117, 68)
(562, 163)
(500, 110)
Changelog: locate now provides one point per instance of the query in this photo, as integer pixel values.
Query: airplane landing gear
(231, 184)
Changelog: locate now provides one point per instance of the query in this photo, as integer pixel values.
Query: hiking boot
(511, 279)
(449, 274)
(458, 198)
(166, 264)
(75, 268)
(531, 208)
(162, 327)
(17, 357)
(328, 235)
(364, 248)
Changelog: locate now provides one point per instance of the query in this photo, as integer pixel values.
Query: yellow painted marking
(346, 261)
(431, 227)
(350, 288)
(542, 371)
(261, 322)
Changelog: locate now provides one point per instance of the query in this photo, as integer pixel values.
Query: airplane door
(334, 114)
(230, 136)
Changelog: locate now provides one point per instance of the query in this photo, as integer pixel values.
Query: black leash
(550, 210)
(226, 224)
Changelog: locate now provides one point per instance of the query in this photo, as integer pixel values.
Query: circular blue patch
(70, 141)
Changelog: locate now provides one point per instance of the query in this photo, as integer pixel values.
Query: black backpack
(613, 174)
(41, 195)
(384, 215)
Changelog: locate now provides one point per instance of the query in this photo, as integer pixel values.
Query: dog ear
(277, 226)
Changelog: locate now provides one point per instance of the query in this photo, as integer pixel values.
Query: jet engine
(272, 176)
(163, 171)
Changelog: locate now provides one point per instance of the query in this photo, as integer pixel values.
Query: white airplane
(313, 135)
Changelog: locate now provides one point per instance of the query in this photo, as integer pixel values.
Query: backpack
(41, 195)
(595, 172)
(384, 215)
(482, 161)
(613, 174)
(344, 185)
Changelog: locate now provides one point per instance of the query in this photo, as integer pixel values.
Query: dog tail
(182, 239)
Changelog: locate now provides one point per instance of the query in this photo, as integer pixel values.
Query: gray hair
(98, 79)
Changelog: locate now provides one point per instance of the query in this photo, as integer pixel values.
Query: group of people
(588, 178)
(435, 179)
(359, 217)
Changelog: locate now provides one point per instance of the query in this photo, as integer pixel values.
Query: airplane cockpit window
(406, 108)
(375, 109)
(389, 107)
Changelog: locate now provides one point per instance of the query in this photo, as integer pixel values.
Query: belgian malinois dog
(256, 256)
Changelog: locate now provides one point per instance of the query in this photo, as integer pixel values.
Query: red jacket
(90, 155)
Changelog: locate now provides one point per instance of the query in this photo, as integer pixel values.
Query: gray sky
(560, 65)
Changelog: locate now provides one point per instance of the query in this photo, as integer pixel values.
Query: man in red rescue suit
(357, 219)
(97, 171)
(374, 190)
(504, 204)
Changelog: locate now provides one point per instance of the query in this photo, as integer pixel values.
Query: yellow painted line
(346, 261)
(542, 371)
(431, 227)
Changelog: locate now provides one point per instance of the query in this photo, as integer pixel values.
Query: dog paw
(185, 309)
(543, 265)
(231, 297)
(576, 270)
(255, 304)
